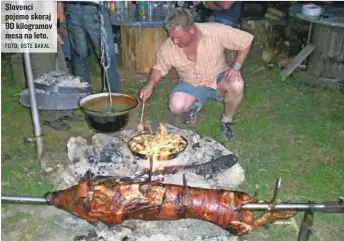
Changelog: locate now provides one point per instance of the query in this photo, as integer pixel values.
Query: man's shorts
(202, 93)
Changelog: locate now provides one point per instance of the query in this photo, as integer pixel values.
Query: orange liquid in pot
(102, 104)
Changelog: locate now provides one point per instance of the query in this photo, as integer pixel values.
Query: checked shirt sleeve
(235, 39)
(163, 60)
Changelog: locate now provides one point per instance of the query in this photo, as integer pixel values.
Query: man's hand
(59, 41)
(153, 79)
(232, 75)
(62, 31)
(145, 92)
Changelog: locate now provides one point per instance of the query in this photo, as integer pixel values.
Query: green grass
(282, 129)
(20, 172)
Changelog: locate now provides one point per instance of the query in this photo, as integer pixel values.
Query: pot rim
(83, 100)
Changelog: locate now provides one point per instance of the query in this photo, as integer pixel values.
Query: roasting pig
(112, 202)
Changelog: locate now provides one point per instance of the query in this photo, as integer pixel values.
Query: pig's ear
(87, 177)
(84, 186)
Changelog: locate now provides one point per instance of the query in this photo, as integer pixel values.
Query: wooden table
(140, 38)
(325, 46)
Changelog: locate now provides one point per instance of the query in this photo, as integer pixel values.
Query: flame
(163, 130)
(154, 161)
(163, 134)
(163, 158)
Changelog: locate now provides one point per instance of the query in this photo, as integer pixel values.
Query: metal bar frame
(34, 108)
(33, 101)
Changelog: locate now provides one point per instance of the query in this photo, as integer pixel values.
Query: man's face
(180, 37)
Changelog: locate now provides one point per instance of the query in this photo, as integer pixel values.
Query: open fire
(157, 147)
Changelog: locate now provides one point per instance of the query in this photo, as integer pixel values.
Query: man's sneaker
(226, 128)
(190, 117)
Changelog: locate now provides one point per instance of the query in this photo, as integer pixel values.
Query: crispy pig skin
(113, 202)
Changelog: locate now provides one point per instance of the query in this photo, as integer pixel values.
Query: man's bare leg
(180, 103)
(232, 100)
(233, 93)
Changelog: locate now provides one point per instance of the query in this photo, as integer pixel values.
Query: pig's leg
(271, 216)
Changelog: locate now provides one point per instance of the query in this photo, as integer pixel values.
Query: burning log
(112, 202)
(210, 168)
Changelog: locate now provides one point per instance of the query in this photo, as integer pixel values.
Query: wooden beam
(305, 52)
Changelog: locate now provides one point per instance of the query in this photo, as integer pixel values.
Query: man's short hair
(179, 17)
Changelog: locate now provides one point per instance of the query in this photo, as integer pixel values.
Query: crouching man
(196, 51)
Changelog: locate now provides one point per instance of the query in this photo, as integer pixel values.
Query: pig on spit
(112, 202)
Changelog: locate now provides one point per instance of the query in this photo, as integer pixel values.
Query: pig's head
(74, 199)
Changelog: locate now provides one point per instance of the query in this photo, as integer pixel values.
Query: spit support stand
(274, 200)
(306, 224)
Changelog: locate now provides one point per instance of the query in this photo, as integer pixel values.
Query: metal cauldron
(102, 116)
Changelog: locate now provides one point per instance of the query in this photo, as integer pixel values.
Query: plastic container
(312, 10)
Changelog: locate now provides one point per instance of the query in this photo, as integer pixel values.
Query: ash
(62, 79)
(109, 155)
(73, 229)
(57, 90)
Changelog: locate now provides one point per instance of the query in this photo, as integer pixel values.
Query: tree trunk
(327, 60)
(139, 46)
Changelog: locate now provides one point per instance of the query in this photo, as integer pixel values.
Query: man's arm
(60, 12)
(236, 40)
(211, 5)
(240, 57)
(161, 67)
(219, 5)
(224, 4)
(154, 77)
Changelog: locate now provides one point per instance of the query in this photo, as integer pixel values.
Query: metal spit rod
(251, 206)
(283, 206)
(23, 199)
(330, 207)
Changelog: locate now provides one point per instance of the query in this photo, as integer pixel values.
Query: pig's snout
(48, 197)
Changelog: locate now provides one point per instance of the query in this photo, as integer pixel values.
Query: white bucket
(312, 10)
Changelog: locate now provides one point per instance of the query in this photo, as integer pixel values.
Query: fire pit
(205, 162)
